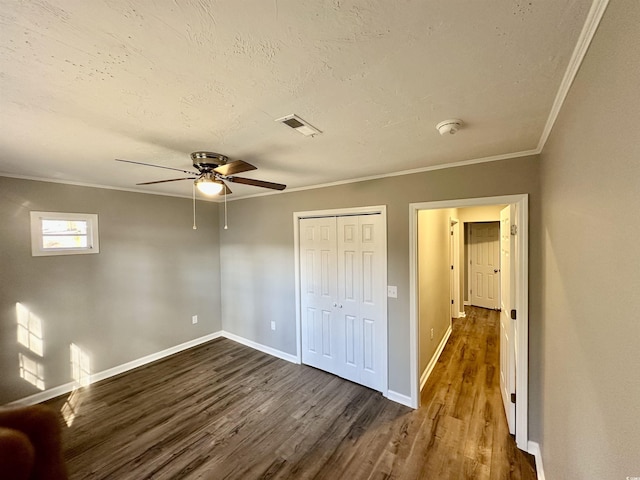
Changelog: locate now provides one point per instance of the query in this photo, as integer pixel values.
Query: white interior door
(485, 264)
(319, 291)
(349, 338)
(507, 303)
(342, 293)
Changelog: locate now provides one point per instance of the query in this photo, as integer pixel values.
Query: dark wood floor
(225, 411)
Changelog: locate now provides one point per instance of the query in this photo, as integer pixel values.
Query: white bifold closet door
(342, 293)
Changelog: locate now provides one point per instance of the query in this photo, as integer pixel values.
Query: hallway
(465, 417)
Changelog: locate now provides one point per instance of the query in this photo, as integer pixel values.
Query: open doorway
(518, 206)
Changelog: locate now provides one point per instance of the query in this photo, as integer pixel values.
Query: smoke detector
(449, 126)
(299, 125)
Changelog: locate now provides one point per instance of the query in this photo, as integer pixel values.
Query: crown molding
(95, 185)
(493, 158)
(584, 41)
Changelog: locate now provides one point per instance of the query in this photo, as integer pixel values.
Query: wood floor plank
(226, 411)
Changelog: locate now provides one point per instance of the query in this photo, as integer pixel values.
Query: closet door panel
(318, 291)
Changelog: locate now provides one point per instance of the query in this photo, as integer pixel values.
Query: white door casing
(485, 265)
(343, 310)
(507, 302)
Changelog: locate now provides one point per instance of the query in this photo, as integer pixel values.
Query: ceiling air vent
(299, 125)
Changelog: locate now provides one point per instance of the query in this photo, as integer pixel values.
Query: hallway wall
(433, 280)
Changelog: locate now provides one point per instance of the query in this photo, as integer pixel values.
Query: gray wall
(434, 271)
(134, 298)
(590, 358)
(257, 252)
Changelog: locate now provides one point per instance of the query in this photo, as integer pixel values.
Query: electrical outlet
(432, 334)
(273, 325)
(194, 319)
(392, 292)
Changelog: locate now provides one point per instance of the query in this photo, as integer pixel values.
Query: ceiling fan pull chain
(194, 206)
(226, 227)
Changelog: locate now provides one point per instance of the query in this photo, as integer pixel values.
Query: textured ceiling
(84, 82)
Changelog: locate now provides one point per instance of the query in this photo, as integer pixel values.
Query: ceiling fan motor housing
(206, 161)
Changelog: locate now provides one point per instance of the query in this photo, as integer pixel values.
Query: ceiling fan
(213, 170)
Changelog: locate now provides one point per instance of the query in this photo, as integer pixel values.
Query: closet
(343, 296)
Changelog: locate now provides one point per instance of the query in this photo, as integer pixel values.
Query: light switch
(392, 291)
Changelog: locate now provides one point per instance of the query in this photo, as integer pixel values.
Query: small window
(54, 233)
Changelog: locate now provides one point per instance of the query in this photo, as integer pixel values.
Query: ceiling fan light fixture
(209, 185)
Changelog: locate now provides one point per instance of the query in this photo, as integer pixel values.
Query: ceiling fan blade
(164, 181)
(157, 166)
(257, 183)
(231, 168)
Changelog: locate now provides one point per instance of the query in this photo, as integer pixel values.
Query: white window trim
(93, 245)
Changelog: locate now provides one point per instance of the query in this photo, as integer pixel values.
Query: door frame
(337, 212)
(521, 201)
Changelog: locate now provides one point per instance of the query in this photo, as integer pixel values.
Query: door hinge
(513, 398)
(513, 314)
(514, 229)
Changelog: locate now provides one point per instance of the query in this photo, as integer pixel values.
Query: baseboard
(434, 359)
(262, 348)
(399, 398)
(534, 449)
(466, 303)
(111, 372)
(462, 314)
(44, 395)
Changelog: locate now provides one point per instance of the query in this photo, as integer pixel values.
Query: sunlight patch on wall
(32, 371)
(29, 330)
(80, 366)
(30, 335)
